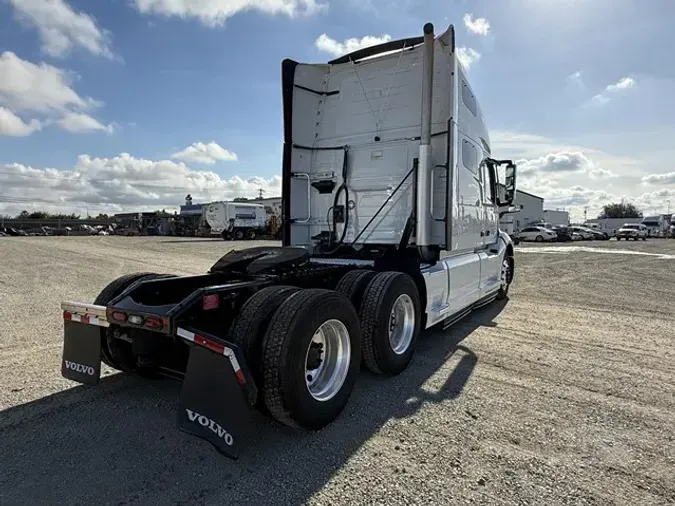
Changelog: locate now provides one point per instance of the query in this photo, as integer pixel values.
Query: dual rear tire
(304, 347)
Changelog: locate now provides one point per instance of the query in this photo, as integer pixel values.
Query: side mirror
(509, 184)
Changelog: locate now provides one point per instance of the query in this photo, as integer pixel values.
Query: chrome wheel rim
(401, 324)
(327, 360)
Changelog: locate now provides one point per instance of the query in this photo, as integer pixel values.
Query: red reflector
(154, 323)
(210, 302)
(67, 315)
(218, 348)
(119, 316)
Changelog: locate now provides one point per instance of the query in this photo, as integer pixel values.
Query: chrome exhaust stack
(422, 231)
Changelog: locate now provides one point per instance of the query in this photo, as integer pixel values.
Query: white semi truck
(236, 220)
(391, 203)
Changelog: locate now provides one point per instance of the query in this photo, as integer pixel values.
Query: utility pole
(585, 213)
(260, 193)
(668, 201)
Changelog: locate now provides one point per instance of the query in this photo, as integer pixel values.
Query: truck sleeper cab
(391, 203)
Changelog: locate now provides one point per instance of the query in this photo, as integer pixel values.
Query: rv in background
(656, 225)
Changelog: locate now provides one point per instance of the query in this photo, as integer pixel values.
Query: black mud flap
(213, 406)
(81, 352)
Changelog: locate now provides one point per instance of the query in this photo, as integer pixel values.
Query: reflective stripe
(216, 348)
(85, 318)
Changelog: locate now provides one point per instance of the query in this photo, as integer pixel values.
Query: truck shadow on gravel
(118, 443)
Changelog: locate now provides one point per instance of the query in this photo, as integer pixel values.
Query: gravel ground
(563, 395)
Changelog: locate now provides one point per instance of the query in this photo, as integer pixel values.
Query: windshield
(628, 225)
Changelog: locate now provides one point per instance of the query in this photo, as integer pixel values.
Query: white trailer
(609, 225)
(236, 220)
(555, 217)
(656, 225)
(391, 210)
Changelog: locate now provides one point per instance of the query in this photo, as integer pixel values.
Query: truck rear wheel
(248, 329)
(250, 235)
(311, 357)
(115, 352)
(390, 322)
(353, 284)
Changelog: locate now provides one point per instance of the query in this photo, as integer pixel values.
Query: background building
(529, 209)
(556, 217)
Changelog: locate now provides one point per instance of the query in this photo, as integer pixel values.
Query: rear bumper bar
(217, 390)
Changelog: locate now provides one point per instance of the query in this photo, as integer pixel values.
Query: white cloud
(622, 84)
(13, 126)
(61, 28)
(467, 56)
(43, 88)
(566, 164)
(555, 163)
(210, 153)
(44, 91)
(121, 183)
(662, 178)
(80, 122)
(478, 26)
(575, 78)
(214, 12)
(600, 173)
(573, 176)
(576, 198)
(326, 44)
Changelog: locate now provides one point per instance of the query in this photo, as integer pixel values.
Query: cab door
(491, 260)
(490, 225)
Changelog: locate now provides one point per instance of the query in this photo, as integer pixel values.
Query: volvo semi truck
(391, 205)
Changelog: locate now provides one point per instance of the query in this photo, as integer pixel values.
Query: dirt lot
(565, 395)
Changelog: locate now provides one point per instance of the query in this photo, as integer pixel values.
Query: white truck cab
(387, 156)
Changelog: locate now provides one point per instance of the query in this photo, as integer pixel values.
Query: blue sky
(581, 92)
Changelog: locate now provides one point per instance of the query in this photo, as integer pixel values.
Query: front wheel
(311, 357)
(238, 234)
(506, 277)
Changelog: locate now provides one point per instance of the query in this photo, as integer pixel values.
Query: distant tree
(23, 215)
(61, 216)
(102, 216)
(38, 215)
(620, 210)
(240, 199)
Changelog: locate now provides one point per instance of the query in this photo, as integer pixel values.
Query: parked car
(633, 231)
(585, 233)
(599, 235)
(577, 237)
(564, 233)
(538, 234)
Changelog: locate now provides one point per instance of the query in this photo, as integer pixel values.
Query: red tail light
(210, 302)
(119, 316)
(154, 323)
